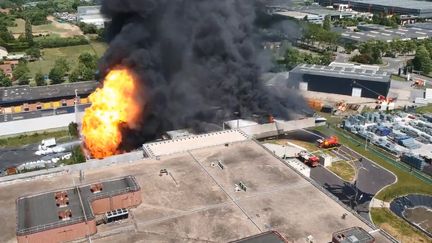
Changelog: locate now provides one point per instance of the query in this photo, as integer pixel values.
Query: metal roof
(353, 235)
(408, 4)
(39, 212)
(356, 72)
(24, 94)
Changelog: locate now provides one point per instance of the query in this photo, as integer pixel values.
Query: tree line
(60, 73)
(371, 52)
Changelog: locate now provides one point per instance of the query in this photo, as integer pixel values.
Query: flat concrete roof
(356, 72)
(23, 94)
(197, 201)
(266, 237)
(192, 142)
(40, 212)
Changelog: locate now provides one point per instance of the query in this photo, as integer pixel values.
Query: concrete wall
(61, 234)
(273, 129)
(36, 124)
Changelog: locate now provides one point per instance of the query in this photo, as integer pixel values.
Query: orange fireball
(113, 106)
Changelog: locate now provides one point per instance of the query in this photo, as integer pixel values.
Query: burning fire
(113, 106)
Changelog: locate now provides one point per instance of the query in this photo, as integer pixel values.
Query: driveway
(357, 195)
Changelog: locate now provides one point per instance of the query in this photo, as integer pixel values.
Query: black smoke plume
(198, 61)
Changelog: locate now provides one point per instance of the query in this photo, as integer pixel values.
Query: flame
(113, 106)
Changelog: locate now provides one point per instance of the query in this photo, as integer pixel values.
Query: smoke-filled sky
(198, 61)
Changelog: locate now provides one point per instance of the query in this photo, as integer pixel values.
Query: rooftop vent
(96, 188)
(65, 215)
(62, 199)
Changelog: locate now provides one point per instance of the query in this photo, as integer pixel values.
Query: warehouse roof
(40, 212)
(23, 94)
(89, 10)
(356, 72)
(409, 4)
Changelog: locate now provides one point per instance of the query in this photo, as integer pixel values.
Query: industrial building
(91, 15)
(420, 9)
(25, 102)
(368, 32)
(353, 80)
(190, 195)
(70, 214)
(313, 14)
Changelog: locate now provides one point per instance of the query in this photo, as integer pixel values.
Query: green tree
(40, 79)
(34, 52)
(63, 65)
(56, 75)
(4, 80)
(74, 76)
(73, 129)
(21, 73)
(88, 60)
(78, 155)
(327, 23)
(422, 60)
(88, 74)
(29, 32)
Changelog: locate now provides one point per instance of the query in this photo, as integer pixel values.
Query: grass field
(425, 109)
(50, 55)
(396, 226)
(21, 140)
(99, 47)
(52, 28)
(343, 169)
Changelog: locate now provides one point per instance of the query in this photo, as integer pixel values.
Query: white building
(3, 52)
(91, 15)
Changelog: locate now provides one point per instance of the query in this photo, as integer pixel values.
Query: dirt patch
(71, 30)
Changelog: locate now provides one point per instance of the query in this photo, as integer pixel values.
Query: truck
(330, 142)
(308, 158)
(47, 143)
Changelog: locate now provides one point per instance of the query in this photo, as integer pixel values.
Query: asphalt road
(10, 157)
(371, 178)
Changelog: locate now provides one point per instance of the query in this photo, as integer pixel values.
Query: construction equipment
(308, 158)
(330, 142)
(381, 99)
